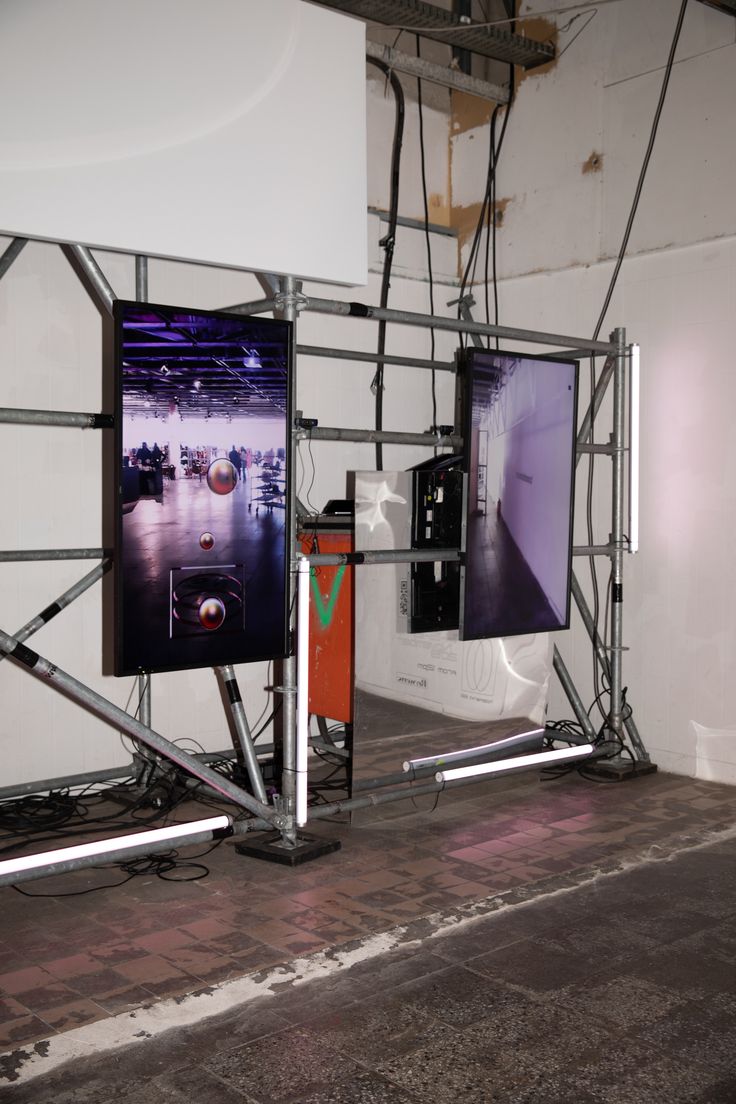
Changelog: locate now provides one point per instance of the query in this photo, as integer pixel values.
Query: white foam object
(231, 133)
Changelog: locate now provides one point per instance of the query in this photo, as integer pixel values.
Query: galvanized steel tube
(374, 358)
(256, 306)
(11, 253)
(594, 406)
(240, 722)
(617, 556)
(87, 268)
(380, 436)
(74, 418)
(289, 292)
(31, 554)
(64, 683)
(141, 278)
(390, 556)
(60, 603)
(318, 812)
(455, 325)
(572, 695)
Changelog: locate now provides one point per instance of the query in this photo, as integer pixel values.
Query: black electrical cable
(645, 165)
(487, 212)
(472, 255)
(388, 241)
(427, 239)
(604, 310)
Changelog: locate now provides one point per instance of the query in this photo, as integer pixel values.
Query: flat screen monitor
(520, 416)
(202, 442)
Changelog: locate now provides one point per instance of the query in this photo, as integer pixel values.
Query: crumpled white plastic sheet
(474, 680)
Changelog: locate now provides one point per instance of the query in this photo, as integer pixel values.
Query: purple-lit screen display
(202, 425)
(520, 422)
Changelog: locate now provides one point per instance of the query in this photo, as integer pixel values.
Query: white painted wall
(677, 298)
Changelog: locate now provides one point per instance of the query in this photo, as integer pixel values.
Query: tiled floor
(610, 990)
(67, 961)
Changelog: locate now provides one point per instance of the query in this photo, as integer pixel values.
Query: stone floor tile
(281, 1067)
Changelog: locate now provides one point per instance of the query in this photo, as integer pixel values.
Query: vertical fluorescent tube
(634, 450)
(302, 695)
(538, 758)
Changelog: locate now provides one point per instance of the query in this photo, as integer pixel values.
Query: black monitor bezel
(465, 366)
(119, 308)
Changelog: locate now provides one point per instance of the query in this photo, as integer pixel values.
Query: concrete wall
(561, 226)
(575, 142)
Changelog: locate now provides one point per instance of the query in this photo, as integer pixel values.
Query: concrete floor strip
(127, 1028)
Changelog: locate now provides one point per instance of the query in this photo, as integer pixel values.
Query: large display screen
(520, 425)
(202, 438)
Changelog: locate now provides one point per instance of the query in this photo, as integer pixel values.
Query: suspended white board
(230, 133)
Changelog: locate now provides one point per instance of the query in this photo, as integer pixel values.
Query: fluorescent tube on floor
(105, 847)
(536, 758)
(471, 753)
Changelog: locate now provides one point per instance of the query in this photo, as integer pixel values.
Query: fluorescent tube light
(302, 700)
(536, 758)
(634, 450)
(100, 848)
(508, 742)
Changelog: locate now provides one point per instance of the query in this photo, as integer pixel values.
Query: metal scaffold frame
(287, 813)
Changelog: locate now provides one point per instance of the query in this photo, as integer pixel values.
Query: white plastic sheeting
(474, 680)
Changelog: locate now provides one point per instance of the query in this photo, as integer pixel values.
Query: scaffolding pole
(30, 555)
(288, 298)
(10, 254)
(74, 418)
(141, 278)
(456, 325)
(60, 603)
(285, 299)
(91, 275)
(89, 699)
(602, 658)
(240, 722)
(572, 695)
(617, 535)
(594, 406)
(381, 436)
(375, 358)
(145, 692)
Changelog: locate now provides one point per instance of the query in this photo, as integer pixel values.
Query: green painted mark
(325, 612)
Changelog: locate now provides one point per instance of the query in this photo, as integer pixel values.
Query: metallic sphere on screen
(211, 613)
(221, 477)
(207, 542)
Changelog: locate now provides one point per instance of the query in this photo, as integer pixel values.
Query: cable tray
(444, 26)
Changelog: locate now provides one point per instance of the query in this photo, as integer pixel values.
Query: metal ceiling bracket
(437, 74)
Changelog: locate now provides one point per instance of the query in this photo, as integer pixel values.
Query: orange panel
(331, 647)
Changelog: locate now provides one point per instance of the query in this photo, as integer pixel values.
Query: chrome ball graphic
(207, 542)
(211, 613)
(221, 477)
